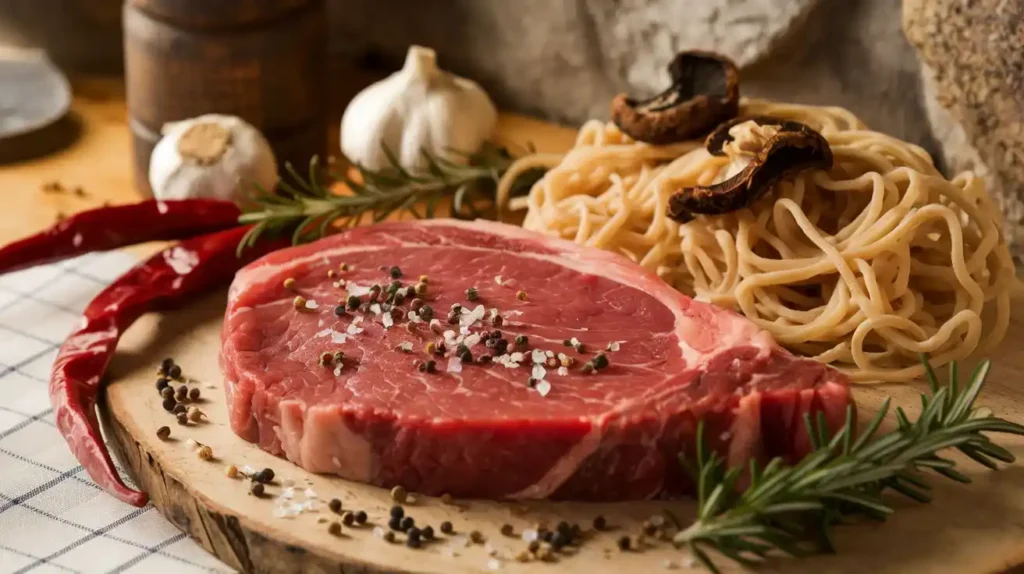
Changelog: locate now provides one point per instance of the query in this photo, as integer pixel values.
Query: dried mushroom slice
(705, 92)
(764, 151)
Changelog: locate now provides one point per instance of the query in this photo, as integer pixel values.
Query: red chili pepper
(171, 277)
(111, 227)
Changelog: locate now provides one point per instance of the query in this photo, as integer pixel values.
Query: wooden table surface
(99, 162)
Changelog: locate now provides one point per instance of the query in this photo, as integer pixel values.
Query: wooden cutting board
(968, 529)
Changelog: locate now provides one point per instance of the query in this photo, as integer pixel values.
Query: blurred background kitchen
(946, 74)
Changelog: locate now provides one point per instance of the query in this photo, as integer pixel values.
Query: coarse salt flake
(574, 341)
(288, 493)
(529, 535)
(323, 333)
(472, 340)
(614, 346)
(337, 371)
(357, 290)
(378, 532)
(543, 388)
(562, 371)
(537, 356)
(338, 338)
(539, 372)
(387, 320)
(494, 564)
(414, 317)
(454, 365)
(497, 279)
(405, 346)
(353, 330)
(549, 353)
(312, 304)
(375, 309)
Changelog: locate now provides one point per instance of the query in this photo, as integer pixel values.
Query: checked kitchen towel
(52, 517)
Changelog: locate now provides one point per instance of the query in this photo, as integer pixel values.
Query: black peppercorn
(174, 372)
(167, 392)
(600, 361)
(408, 523)
(431, 366)
(334, 505)
(162, 383)
(427, 532)
(426, 313)
(624, 543)
(416, 305)
(413, 542)
(397, 511)
(534, 546)
(169, 404)
(395, 523)
(166, 364)
(348, 518)
(446, 527)
(361, 517)
(395, 272)
(353, 302)
(422, 367)
(180, 408)
(497, 321)
(265, 475)
(600, 523)
(339, 310)
(256, 489)
(559, 541)
(194, 393)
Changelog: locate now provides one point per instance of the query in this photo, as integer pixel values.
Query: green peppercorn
(472, 294)
(521, 341)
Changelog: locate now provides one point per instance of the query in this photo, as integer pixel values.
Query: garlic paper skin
(211, 156)
(419, 108)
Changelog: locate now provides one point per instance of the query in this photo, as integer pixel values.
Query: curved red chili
(116, 226)
(171, 277)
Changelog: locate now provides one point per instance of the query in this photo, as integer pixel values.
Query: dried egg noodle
(863, 266)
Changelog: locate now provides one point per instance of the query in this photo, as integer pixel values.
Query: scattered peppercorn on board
(967, 529)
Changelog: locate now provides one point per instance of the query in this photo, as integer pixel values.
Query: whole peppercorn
(169, 404)
(182, 418)
(427, 532)
(334, 529)
(348, 518)
(624, 543)
(163, 433)
(174, 372)
(408, 522)
(265, 475)
(600, 523)
(395, 523)
(334, 505)
(180, 408)
(361, 517)
(397, 511)
(166, 392)
(395, 272)
(182, 393)
(161, 383)
(257, 489)
(472, 294)
(166, 364)
(447, 528)
(194, 393)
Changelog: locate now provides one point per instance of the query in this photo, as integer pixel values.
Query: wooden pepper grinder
(261, 60)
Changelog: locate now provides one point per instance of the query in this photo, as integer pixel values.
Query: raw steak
(485, 429)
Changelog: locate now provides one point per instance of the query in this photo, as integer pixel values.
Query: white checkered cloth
(52, 517)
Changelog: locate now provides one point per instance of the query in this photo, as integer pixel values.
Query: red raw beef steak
(569, 372)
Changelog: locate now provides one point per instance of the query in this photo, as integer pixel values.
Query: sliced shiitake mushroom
(705, 92)
(792, 149)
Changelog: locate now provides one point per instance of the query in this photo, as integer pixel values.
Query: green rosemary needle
(306, 207)
(792, 509)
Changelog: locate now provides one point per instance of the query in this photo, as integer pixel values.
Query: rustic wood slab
(968, 529)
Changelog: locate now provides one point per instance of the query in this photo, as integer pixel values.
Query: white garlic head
(211, 156)
(420, 108)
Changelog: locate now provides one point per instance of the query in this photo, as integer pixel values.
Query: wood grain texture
(968, 529)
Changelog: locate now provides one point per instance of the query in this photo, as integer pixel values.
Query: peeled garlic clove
(211, 156)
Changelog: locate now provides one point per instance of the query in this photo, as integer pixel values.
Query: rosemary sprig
(306, 207)
(792, 509)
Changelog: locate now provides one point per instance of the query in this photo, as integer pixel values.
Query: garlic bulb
(212, 156)
(419, 108)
